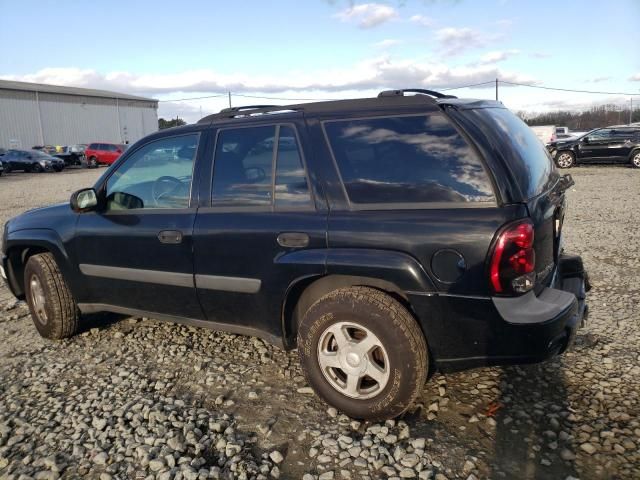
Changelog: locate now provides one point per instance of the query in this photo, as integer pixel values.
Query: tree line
(595, 117)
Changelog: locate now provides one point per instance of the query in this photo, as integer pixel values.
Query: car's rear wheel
(635, 159)
(565, 159)
(53, 309)
(92, 162)
(363, 352)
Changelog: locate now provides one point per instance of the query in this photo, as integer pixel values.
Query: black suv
(385, 238)
(617, 144)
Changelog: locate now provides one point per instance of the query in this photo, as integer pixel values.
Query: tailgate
(547, 212)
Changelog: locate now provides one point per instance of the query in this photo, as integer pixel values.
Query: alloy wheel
(636, 160)
(353, 360)
(565, 160)
(38, 299)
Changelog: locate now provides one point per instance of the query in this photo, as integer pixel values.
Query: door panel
(239, 278)
(136, 252)
(261, 211)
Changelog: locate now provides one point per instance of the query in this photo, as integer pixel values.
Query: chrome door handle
(172, 237)
(293, 239)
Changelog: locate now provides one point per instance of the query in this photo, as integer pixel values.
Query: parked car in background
(616, 144)
(1, 168)
(384, 237)
(546, 133)
(31, 161)
(72, 154)
(103, 153)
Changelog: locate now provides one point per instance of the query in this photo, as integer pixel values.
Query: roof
(85, 92)
(382, 102)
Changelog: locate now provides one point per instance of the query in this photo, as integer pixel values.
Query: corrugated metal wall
(69, 119)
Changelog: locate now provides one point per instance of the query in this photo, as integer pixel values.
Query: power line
(467, 86)
(565, 89)
(282, 98)
(193, 98)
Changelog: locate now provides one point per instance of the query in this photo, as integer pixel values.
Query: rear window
(519, 142)
(407, 160)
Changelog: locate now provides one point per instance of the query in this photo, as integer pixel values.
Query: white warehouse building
(35, 114)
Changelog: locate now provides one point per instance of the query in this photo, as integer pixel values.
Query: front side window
(411, 159)
(158, 175)
(243, 168)
(600, 135)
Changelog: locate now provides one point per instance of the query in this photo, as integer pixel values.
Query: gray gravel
(134, 398)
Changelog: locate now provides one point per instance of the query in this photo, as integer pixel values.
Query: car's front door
(136, 251)
(262, 218)
(595, 147)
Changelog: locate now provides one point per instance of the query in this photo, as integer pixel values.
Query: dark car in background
(386, 238)
(72, 154)
(103, 153)
(31, 161)
(1, 167)
(616, 144)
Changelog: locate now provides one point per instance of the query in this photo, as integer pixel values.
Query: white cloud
(497, 56)
(455, 40)
(374, 73)
(368, 15)
(539, 55)
(422, 20)
(389, 42)
(598, 79)
(635, 78)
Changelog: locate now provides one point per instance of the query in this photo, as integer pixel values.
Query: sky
(279, 51)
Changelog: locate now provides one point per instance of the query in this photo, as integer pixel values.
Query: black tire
(402, 342)
(61, 312)
(92, 162)
(565, 159)
(36, 168)
(7, 169)
(635, 159)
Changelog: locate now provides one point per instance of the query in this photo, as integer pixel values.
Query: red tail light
(512, 267)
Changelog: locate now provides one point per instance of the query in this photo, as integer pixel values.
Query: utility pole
(229, 99)
(496, 89)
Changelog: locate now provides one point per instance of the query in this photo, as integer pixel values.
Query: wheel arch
(306, 291)
(23, 244)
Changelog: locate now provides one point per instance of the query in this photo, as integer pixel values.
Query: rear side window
(407, 160)
(244, 164)
(94, 146)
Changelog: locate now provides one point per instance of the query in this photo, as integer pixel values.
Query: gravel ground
(134, 398)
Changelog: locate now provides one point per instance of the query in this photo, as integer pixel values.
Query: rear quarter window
(541, 173)
(407, 160)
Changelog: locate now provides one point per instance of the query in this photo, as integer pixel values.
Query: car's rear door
(136, 251)
(256, 217)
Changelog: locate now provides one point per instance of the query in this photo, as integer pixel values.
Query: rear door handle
(172, 237)
(293, 239)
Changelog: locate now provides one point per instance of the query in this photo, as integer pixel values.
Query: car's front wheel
(92, 162)
(635, 159)
(363, 352)
(53, 309)
(565, 160)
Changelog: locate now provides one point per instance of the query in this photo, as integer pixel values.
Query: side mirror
(84, 200)
(585, 140)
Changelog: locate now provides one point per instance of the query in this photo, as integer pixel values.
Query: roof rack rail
(246, 107)
(401, 92)
(247, 110)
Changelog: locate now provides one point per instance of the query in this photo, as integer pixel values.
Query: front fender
(19, 243)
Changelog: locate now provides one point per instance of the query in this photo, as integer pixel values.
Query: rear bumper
(476, 332)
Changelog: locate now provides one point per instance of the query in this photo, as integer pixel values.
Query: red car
(103, 153)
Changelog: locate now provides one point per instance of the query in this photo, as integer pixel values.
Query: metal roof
(85, 92)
